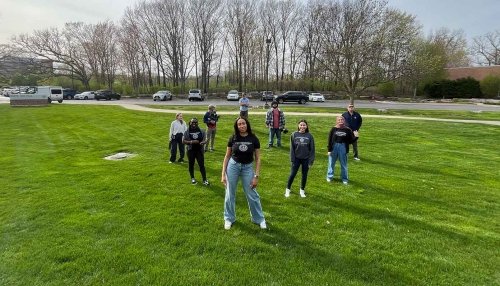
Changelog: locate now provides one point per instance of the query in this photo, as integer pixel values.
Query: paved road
(138, 104)
(329, 103)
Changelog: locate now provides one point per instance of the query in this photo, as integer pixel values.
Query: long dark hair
(307, 124)
(237, 132)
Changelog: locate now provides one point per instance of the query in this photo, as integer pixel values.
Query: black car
(267, 96)
(293, 96)
(106, 94)
(69, 93)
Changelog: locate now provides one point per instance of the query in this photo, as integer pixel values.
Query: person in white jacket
(177, 129)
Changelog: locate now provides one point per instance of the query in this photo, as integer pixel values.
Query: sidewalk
(263, 112)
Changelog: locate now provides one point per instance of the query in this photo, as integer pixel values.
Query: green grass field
(422, 207)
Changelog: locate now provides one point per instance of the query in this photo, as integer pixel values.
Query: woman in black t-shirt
(243, 148)
(195, 139)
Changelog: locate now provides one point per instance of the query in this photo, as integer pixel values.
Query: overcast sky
(474, 17)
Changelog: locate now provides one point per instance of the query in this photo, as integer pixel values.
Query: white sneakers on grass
(302, 193)
(228, 224)
(263, 225)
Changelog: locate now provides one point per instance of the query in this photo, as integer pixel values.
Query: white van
(52, 93)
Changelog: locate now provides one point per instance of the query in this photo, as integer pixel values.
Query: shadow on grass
(375, 214)
(347, 267)
(402, 167)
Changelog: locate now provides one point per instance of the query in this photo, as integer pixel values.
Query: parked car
(195, 94)
(162, 95)
(233, 95)
(267, 96)
(69, 93)
(292, 96)
(315, 96)
(106, 94)
(85, 95)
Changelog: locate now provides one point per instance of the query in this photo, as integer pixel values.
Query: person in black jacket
(338, 140)
(353, 120)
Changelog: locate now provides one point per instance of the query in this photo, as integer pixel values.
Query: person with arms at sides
(244, 104)
(210, 119)
(243, 150)
(302, 153)
(195, 139)
(353, 120)
(177, 129)
(275, 121)
(339, 138)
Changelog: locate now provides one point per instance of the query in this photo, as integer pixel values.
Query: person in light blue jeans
(339, 138)
(243, 149)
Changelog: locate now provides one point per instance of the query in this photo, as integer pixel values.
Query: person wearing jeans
(302, 153)
(275, 121)
(177, 129)
(339, 138)
(243, 150)
(210, 119)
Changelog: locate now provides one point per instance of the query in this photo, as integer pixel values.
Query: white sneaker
(344, 182)
(263, 225)
(357, 159)
(227, 224)
(328, 180)
(302, 193)
(287, 193)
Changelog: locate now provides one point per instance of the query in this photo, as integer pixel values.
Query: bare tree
(62, 48)
(240, 23)
(205, 24)
(453, 46)
(486, 49)
(359, 47)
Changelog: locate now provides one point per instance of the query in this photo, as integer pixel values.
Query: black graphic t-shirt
(196, 134)
(243, 148)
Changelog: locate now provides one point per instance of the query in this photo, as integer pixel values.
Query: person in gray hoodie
(302, 153)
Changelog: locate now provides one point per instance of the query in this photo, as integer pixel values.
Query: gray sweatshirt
(302, 147)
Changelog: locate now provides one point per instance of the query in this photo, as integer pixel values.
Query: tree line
(256, 45)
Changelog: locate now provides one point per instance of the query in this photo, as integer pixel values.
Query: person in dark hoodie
(302, 152)
(338, 141)
(195, 139)
(354, 121)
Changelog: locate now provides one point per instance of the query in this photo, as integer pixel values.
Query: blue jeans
(234, 171)
(295, 169)
(339, 152)
(277, 132)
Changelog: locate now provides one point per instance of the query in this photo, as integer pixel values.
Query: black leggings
(198, 156)
(295, 169)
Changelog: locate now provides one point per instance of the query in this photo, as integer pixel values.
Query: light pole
(268, 43)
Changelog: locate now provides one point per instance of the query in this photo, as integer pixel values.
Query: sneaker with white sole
(328, 180)
(227, 224)
(193, 181)
(287, 193)
(357, 159)
(206, 183)
(263, 225)
(302, 193)
(344, 182)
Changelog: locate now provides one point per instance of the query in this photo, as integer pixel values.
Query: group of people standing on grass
(242, 159)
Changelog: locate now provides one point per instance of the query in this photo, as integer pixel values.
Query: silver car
(195, 94)
(85, 95)
(162, 95)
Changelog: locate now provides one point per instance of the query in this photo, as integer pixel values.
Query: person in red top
(275, 121)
